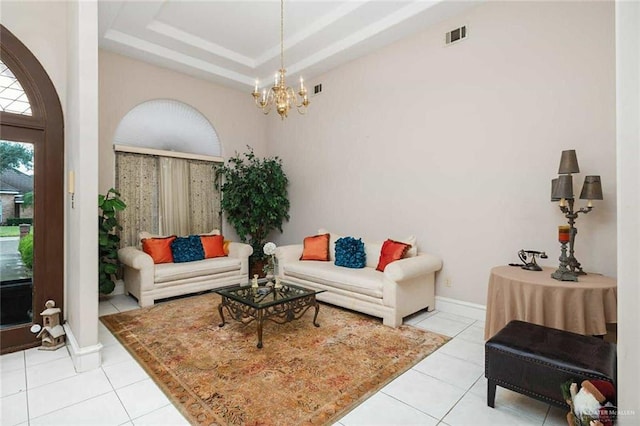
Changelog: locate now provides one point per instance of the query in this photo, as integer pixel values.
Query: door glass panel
(16, 233)
(12, 96)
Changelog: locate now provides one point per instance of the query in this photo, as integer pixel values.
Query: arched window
(166, 152)
(30, 113)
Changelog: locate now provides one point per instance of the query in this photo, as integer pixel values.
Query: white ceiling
(234, 42)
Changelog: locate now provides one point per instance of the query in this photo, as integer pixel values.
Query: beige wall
(42, 27)
(125, 83)
(458, 144)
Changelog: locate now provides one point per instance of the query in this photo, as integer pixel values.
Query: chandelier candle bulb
(255, 90)
(280, 96)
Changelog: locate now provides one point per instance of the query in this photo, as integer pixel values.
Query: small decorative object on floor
(269, 250)
(52, 333)
(563, 273)
(593, 404)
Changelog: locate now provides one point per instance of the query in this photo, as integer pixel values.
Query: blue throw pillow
(350, 253)
(187, 249)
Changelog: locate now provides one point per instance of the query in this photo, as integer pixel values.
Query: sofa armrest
(135, 258)
(288, 253)
(412, 267)
(240, 250)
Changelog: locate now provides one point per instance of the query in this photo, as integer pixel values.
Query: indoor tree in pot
(254, 199)
(108, 239)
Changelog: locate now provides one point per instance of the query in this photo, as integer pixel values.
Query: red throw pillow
(316, 248)
(391, 251)
(213, 246)
(159, 248)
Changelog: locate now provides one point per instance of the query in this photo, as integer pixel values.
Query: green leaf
(254, 196)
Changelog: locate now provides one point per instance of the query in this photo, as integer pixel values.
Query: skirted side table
(583, 307)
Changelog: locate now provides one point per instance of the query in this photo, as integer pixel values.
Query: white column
(81, 126)
(628, 176)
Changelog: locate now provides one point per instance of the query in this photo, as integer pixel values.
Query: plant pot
(256, 267)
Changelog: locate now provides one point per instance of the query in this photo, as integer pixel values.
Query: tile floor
(446, 388)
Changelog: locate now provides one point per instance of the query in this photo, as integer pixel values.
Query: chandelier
(280, 95)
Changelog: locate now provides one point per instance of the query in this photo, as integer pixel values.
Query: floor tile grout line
(451, 384)
(26, 386)
(546, 415)
(75, 373)
(458, 401)
(121, 403)
(407, 404)
(67, 406)
(156, 409)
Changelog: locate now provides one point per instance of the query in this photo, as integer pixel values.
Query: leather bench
(534, 360)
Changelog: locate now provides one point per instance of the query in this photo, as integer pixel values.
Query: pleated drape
(166, 196)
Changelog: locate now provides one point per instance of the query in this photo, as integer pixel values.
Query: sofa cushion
(187, 249)
(366, 281)
(391, 251)
(350, 253)
(372, 248)
(159, 248)
(177, 271)
(213, 246)
(316, 248)
(144, 234)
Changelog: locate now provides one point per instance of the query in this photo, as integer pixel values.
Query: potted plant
(108, 239)
(254, 199)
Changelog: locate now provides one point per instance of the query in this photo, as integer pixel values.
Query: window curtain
(174, 196)
(204, 198)
(166, 196)
(137, 182)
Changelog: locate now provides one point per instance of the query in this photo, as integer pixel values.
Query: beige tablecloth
(583, 307)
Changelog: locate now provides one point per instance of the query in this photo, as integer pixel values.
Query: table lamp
(562, 191)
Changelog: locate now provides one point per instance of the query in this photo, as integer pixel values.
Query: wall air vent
(456, 35)
(317, 89)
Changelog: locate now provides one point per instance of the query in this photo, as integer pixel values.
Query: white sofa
(148, 282)
(406, 285)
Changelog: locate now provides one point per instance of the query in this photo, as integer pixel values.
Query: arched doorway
(40, 125)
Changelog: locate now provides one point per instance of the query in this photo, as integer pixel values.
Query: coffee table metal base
(281, 313)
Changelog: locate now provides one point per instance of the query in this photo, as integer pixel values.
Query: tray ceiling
(234, 42)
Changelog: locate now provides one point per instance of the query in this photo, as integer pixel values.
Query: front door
(31, 261)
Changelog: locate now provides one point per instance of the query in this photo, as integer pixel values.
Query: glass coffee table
(247, 304)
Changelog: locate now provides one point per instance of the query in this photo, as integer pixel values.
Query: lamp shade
(591, 189)
(568, 162)
(564, 188)
(554, 190)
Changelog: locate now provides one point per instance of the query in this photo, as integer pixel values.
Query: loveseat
(404, 287)
(148, 281)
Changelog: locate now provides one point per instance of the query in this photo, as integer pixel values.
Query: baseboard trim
(85, 358)
(460, 307)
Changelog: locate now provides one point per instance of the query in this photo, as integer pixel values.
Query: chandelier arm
(280, 96)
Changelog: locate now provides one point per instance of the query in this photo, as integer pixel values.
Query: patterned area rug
(303, 375)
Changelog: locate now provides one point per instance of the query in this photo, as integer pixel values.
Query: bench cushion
(167, 272)
(366, 281)
(535, 360)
